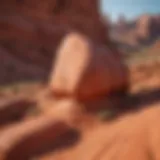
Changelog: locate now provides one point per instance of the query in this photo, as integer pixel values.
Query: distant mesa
(137, 33)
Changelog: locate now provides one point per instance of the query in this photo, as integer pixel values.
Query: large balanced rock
(84, 70)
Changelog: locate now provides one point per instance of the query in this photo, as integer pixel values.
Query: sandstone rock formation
(85, 70)
(148, 27)
(30, 32)
(134, 34)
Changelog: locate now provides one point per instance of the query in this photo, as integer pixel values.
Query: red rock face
(82, 16)
(133, 35)
(31, 31)
(148, 27)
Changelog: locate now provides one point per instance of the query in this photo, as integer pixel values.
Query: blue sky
(130, 8)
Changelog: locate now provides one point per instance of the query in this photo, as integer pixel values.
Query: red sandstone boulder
(84, 70)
